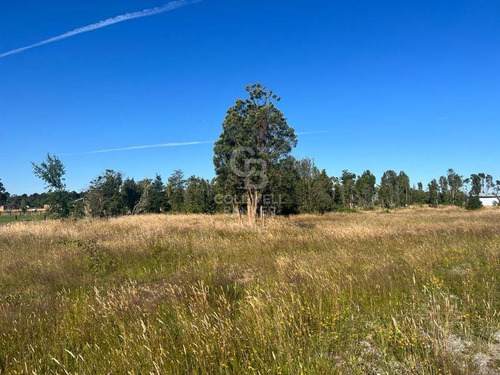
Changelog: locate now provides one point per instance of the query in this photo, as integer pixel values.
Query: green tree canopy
(388, 191)
(365, 186)
(306, 173)
(475, 181)
(255, 137)
(433, 193)
(349, 192)
(131, 192)
(4, 195)
(455, 183)
(285, 187)
(199, 196)
(157, 196)
(175, 191)
(322, 193)
(104, 196)
(403, 189)
(52, 172)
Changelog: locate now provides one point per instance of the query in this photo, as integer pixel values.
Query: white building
(488, 200)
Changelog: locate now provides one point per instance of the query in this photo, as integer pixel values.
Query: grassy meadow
(414, 291)
(4, 219)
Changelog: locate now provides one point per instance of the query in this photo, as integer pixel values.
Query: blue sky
(404, 85)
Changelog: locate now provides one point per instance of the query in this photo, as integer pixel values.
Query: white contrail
(171, 144)
(110, 21)
(158, 145)
(313, 132)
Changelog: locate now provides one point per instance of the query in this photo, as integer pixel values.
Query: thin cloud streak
(171, 144)
(313, 132)
(108, 22)
(141, 147)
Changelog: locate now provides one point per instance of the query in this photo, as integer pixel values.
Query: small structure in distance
(489, 200)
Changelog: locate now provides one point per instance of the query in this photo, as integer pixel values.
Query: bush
(474, 203)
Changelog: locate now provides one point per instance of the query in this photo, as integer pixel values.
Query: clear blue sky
(412, 85)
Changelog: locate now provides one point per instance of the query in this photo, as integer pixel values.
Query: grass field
(4, 219)
(408, 292)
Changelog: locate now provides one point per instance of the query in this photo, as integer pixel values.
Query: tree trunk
(252, 203)
(237, 208)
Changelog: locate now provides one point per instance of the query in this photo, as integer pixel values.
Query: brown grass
(412, 291)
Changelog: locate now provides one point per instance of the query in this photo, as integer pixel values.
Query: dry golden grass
(411, 291)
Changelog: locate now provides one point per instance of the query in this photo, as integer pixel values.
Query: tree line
(303, 188)
(300, 187)
(254, 173)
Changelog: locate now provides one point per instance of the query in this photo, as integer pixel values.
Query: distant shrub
(474, 203)
(345, 209)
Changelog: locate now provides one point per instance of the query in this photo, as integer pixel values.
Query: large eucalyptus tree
(255, 138)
